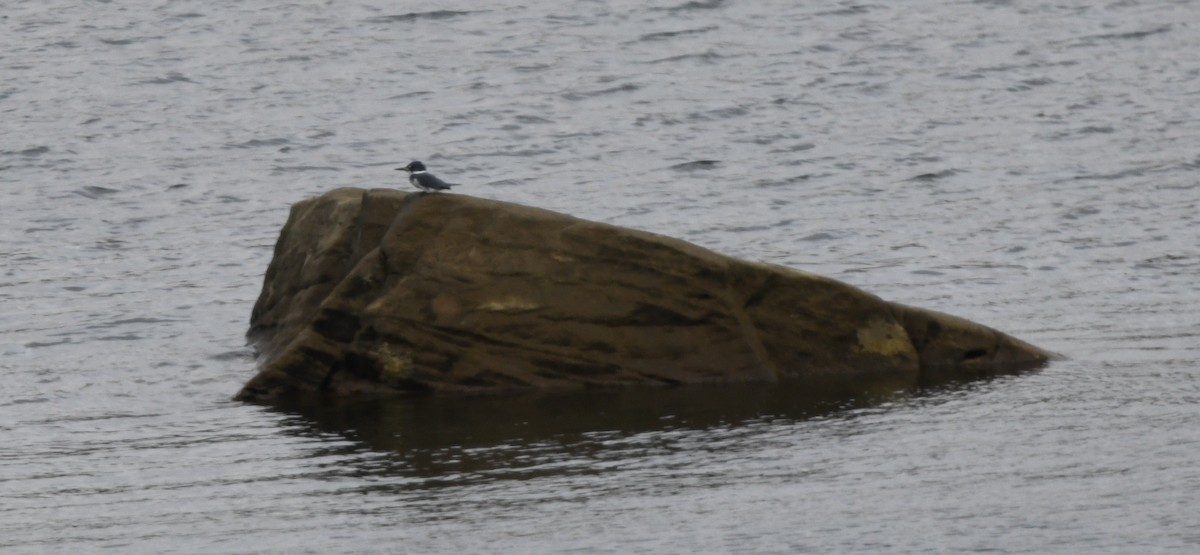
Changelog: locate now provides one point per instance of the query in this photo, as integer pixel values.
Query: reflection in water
(440, 439)
(437, 440)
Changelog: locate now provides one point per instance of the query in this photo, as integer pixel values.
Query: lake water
(1030, 165)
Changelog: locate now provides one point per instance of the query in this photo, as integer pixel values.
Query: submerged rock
(385, 292)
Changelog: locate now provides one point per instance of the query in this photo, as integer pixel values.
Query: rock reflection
(441, 440)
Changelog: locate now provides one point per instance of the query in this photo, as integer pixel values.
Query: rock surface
(384, 292)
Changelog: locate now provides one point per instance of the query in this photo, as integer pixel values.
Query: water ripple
(417, 16)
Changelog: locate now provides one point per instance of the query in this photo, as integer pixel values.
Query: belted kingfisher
(424, 180)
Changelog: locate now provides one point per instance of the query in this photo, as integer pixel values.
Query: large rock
(384, 292)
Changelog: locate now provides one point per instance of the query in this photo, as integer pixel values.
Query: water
(1029, 165)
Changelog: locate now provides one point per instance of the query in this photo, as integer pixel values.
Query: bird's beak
(405, 169)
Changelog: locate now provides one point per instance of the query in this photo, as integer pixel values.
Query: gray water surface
(1034, 166)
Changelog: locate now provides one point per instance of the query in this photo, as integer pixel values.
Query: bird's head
(414, 166)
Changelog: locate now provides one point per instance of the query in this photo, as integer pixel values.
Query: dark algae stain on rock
(381, 292)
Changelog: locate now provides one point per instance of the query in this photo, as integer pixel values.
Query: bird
(424, 180)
